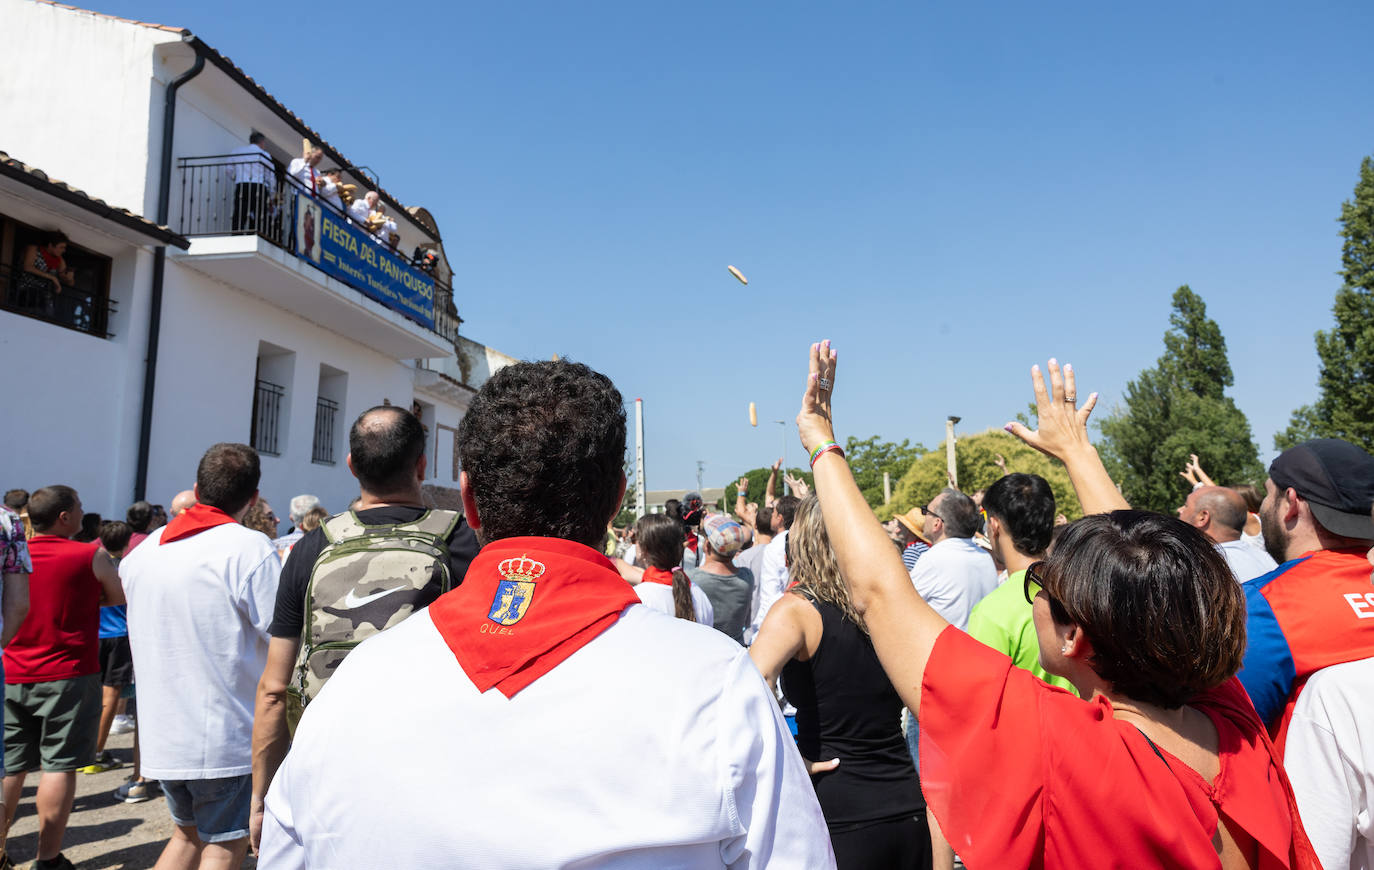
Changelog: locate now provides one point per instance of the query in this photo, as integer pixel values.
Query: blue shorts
(216, 808)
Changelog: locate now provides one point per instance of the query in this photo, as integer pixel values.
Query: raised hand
(797, 485)
(1063, 425)
(1063, 435)
(777, 465)
(813, 420)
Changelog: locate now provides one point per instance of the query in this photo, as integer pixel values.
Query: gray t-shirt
(731, 596)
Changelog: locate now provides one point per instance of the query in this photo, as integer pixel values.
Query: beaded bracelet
(825, 447)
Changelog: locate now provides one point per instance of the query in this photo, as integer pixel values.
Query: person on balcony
(45, 271)
(361, 209)
(254, 177)
(303, 169)
(330, 188)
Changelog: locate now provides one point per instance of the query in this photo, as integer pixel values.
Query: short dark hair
(543, 445)
(1165, 614)
(227, 477)
(16, 499)
(786, 507)
(90, 528)
(959, 512)
(256, 138)
(114, 535)
(47, 505)
(1024, 504)
(385, 445)
(139, 516)
(53, 238)
(763, 520)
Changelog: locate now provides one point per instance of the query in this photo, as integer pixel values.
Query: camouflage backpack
(366, 579)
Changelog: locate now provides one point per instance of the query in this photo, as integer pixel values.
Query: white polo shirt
(952, 576)
(655, 745)
(1246, 560)
(773, 579)
(198, 615)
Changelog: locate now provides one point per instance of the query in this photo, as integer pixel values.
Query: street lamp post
(949, 450)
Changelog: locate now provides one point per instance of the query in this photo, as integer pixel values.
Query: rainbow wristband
(825, 447)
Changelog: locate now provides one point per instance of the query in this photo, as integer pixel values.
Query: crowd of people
(787, 684)
(257, 183)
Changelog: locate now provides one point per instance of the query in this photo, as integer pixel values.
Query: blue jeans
(913, 740)
(216, 808)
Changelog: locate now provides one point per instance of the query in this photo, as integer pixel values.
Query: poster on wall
(360, 260)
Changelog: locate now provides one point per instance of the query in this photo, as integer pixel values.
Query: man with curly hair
(538, 715)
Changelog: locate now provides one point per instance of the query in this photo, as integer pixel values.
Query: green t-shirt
(1003, 621)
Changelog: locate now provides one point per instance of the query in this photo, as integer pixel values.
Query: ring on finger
(823, 383)
(1071, 399)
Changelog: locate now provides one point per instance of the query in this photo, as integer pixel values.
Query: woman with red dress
(1158, 761)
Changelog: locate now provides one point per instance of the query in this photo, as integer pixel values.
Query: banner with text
(355, 257)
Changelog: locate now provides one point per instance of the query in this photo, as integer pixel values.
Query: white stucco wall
(73, 399)
(87, 123)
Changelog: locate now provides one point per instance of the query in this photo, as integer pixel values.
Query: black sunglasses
(925, 510)
(1035, 573)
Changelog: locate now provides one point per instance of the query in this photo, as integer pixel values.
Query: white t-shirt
(752, 559)
(773, 579)
(952, 576)
(250, 164)
(360, 211)
(1246, 560)
(660, 598)
(1329, 757)
(199, 609)
(655, 745)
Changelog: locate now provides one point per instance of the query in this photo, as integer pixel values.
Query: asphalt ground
(103, 834)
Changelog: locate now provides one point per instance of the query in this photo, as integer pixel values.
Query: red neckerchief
(692, 541)
(192, 521)
(525, 605)
(658, 575)
(51, 260)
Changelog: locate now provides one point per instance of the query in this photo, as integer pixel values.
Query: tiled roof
(39, 179)
(229, 68)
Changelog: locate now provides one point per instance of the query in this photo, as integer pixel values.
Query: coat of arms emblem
(516, 591)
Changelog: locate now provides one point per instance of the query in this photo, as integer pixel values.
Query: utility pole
(887, 487)
(783, 424)
(639, 457)
(701, 463)
(949, 449)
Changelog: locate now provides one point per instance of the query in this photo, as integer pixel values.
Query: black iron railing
(37, 297)
(266, 427)
(236, 194)
(325, 412)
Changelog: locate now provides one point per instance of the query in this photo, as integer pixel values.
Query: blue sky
(949, 192)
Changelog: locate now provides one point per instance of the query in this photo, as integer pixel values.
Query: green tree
(1176, 408)
(976, 458)
(1345, 399)
(869, 458)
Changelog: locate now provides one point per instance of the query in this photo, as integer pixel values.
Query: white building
(235, 313)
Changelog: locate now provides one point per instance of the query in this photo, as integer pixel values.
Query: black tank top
(847, 709)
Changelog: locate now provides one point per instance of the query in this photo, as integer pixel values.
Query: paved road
(103, 834)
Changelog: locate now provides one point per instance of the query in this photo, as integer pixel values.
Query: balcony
(257, 229)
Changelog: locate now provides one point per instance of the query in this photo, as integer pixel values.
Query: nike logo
(352, 599)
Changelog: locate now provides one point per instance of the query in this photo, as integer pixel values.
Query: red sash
(194, 520)
(525, 605)
(51, 260)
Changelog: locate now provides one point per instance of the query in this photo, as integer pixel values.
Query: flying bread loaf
(738, 274)
(753, 415)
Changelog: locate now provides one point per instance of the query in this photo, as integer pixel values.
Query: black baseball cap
(1336, 478)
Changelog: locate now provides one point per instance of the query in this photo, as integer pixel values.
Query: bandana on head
(525, 605)
(192, 521)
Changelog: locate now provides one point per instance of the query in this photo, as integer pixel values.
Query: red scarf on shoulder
(192, 521)
(525, 605)
(658, 575)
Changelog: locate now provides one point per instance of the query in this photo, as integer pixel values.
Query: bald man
(183, 500)
(1219, 513)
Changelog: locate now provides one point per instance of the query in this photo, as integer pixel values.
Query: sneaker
(59, 862)
(123, 724)
(103, 762)
(137, 792)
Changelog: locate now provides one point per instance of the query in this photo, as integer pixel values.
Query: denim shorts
(216, 808)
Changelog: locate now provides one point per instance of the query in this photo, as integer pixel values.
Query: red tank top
(60, 638)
